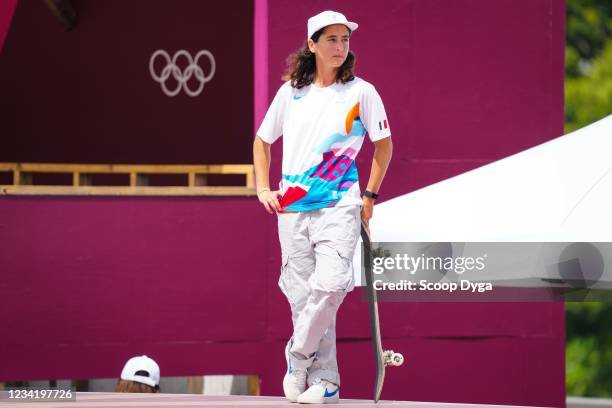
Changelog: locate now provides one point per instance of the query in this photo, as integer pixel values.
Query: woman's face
(333, 46)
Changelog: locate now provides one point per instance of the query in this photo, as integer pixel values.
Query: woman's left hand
(367, 210)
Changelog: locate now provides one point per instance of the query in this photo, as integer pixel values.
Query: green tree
(587, 62)
(588, 349)
(588, 98)
(588, 26)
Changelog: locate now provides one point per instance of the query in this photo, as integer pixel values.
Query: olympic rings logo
(181, 77)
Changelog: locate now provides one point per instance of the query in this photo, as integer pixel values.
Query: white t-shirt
(323, 130)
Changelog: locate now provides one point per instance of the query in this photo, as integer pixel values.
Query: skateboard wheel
(397, 359)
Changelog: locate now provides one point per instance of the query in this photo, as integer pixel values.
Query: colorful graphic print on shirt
(324, 184)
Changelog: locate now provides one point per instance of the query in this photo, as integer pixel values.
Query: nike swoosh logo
(296, 97)
(328, 394)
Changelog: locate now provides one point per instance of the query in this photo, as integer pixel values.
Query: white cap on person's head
(328, 17)
(141, 363)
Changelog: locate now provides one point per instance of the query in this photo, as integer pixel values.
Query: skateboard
(383, 357)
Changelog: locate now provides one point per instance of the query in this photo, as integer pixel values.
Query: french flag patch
(383, 124)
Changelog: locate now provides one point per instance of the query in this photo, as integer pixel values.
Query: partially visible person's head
(140, 374)
(329, 33)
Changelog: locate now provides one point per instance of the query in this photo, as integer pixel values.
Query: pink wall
(260, 61)
(7, 8)
(464, 82)
(88, 282)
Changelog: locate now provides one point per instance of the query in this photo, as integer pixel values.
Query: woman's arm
(261, 163)
(382, 156)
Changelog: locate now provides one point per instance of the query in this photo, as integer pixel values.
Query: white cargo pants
(317, 250)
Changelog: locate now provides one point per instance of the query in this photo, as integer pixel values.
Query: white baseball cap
(326, 18)
(141, 363)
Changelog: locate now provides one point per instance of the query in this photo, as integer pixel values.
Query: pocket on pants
(289, 281)
(347, 256)
(334, 270)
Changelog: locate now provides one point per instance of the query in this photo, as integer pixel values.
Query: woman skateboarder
(323, 112)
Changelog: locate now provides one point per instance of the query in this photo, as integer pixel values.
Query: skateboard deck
(383, 357)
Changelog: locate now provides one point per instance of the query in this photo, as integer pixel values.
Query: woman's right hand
(269, 199)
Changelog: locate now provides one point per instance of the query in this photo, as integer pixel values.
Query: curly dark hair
(301, 65)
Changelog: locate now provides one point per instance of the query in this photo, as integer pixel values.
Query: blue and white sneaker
(294, 382)
(320, 392)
